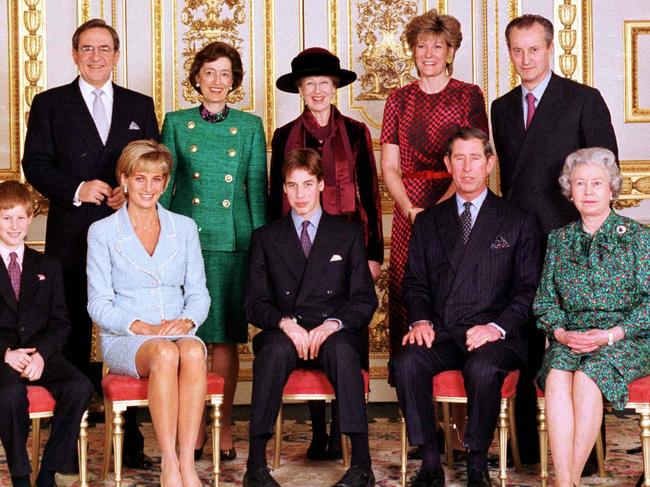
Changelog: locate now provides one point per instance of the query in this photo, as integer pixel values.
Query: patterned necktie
(530, 99)
(466, 221)
(99, 115)
(14, 273)
(305, 241)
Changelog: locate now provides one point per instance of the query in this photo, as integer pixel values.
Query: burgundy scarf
(338, 164)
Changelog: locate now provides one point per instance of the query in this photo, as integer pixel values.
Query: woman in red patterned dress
(418, 120)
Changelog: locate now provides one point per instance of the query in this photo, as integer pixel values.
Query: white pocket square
(335, 258)
(134, 126)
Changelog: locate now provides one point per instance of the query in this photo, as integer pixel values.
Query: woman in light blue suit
(147, 292)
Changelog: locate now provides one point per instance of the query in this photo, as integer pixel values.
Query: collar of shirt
(314, 221)
(476, 204)
(20, 252)
(537, 92)
(87, 94)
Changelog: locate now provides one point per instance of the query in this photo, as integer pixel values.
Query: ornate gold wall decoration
(157, 59)
(83, 11)
(633, 30)
(567, 38)
(378, 329)
(587, 43)
(269, 92)
(208, 22)
(636, 183)
(514, 8)
(386, 59)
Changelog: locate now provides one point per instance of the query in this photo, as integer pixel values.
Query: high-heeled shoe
(198, 452)
(228, 455)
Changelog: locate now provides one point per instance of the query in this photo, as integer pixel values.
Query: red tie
(14, 273)
(530, 99)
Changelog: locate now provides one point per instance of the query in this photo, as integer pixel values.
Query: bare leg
(225, 362)
(588, 411)
(158, 360)
(561, 424)
(191, 396)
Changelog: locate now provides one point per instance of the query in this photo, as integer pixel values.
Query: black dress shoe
(357, 476)
(137, 461)
(228, 455)
(198, 452)
(478, 478)
(317, 448)
(428, 478)
(414, 453)
(20, 481)
(260, 477)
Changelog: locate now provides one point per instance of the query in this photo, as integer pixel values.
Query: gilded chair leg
(118, 439)
(108, 438)
(403, 458)
(514, 440)
(215, 416)
(543, 441)
(600, 455)
(345, 450)
(278, 440)
(503, 442)
(36, 447)
(644, 423)
(446, 426)
(82, 450)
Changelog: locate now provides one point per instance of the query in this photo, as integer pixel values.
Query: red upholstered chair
(122, 392)
(449, 387)
(639, 400)
(41, 405)
(308, 385)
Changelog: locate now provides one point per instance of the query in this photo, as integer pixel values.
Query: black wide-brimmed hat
(314, 61)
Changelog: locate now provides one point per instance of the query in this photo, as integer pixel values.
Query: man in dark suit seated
(471, 276)
(310, 291)
(33, 330)
(75, 135)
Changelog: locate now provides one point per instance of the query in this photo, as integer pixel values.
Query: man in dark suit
(33, 330)
(75, 135)
(535, 127)
(471, 276)
(310, 291)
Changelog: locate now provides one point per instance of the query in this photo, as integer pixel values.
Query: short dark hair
(212, 52)
(307, 159)
(13, 193)
(468, 133)
(94, 24)
(526, 21)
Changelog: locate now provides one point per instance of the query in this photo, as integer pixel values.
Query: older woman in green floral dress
(593, 302)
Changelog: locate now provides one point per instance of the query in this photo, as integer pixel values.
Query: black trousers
(484, 371)
(275, 359)
(72, 391)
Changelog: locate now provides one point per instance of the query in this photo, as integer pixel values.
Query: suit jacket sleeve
(527, 261)
(168, 139)
(596, 124)
(53, 337)
(39, 164)
(547, 305)
(256, 178)
(195, 292)
(416, 284)
(259, 302)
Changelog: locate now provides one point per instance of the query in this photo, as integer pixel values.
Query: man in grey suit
(472, 272)
(535, 127)
(75, 135)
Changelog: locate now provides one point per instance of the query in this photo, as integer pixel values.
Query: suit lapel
(82, 121)
(288, 247)
(29, 279)
(6, 291)
(119, 118)
(128, 245)
(450, 237)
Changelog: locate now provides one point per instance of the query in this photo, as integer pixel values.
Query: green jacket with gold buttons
(218, 177)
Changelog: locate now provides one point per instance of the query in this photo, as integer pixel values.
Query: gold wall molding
(269, 92)
(574, 39)
(633, 30)
(514, 7)
(158, 60)
(636, 183)
(566, 38)
(83, 11)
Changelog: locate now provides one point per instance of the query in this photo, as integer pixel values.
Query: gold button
(226, 203)
(232, 152)
(233, 130)
(191, 125)
(196, 175)
(228, 178)
(193, 148)
(195, 201)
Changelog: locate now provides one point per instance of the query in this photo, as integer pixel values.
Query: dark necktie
(466, 221)
(530, 99)
(305, 241)
(14, 273)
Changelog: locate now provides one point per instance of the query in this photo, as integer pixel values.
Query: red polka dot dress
(420, 124)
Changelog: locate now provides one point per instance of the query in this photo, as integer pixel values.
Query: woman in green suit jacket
(219, 180)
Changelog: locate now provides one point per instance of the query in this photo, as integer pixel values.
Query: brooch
(621, 229)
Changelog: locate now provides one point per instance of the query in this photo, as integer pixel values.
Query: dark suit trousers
(72, 391)
(484, 371)
(275, 359)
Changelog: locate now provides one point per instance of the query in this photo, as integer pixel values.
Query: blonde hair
(144, 155)
(431, 23)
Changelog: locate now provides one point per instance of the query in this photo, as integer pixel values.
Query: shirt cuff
(340, 323)
(418, 322)
(499, 329)
(76, 201)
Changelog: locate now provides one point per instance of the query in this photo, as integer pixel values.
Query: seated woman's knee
(192, 351)
(164, 355)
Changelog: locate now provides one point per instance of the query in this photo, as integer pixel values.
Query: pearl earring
(126, 190)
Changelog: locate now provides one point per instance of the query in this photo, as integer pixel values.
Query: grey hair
(598, 156)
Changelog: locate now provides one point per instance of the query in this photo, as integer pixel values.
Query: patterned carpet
(622, 469)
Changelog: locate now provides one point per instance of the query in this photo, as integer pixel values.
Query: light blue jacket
(126, 284)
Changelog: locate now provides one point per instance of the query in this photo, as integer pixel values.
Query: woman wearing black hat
(350, 174)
